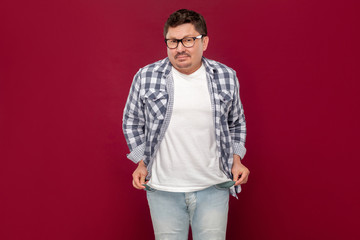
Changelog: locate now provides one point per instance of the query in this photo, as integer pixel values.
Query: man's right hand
(139, 175)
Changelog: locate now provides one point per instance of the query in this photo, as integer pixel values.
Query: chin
(184, 64)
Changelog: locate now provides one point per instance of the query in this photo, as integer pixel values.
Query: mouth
(181, 56)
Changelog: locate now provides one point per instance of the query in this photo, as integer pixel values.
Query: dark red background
(65, 71)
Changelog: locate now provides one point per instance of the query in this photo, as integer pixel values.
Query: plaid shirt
(149, 106)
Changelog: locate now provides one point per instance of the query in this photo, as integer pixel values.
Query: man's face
(186, 60)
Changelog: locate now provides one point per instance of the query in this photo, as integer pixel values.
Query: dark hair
(186, 16)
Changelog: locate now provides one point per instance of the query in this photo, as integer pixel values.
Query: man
(185, 127)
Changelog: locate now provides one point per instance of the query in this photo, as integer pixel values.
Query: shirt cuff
(239, 149)
(137, 154)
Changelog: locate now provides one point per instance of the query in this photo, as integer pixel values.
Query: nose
(180, 47)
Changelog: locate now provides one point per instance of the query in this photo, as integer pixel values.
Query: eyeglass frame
(181, 40)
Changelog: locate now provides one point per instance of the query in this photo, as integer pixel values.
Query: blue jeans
(206, 211)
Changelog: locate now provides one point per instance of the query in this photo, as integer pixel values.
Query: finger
(142, 179)
(243, 178)
(238, 181)
(236, 177)
(137, 184)
(133, 183)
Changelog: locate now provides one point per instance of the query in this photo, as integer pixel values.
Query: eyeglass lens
(187, 42)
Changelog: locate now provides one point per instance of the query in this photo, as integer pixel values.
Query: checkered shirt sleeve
(237, 123)
(134, 122)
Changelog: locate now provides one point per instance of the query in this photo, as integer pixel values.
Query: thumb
(142, 179)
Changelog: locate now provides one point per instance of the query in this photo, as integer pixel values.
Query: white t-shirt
(187, 159)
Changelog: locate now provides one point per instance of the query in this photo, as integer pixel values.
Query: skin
(187, 61)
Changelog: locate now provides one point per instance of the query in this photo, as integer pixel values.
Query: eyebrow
(189, 35)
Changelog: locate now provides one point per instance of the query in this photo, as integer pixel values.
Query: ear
(205, 42)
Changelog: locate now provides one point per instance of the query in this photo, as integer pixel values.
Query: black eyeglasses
(187, 42)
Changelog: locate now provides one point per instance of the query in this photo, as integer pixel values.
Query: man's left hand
(239, 171)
